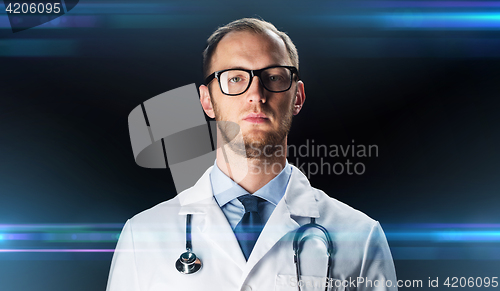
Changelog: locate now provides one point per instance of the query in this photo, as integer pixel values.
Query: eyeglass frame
(252, 73)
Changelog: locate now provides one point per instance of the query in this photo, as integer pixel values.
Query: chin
(255, 136)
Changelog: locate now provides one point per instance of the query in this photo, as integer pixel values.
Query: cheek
(284, 106)
(228, 108)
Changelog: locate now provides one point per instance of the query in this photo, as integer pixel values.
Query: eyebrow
(242, 68)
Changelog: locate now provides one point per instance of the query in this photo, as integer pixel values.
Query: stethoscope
(298, 242)
(188, 263)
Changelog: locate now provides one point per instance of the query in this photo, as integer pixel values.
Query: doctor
(243, 231)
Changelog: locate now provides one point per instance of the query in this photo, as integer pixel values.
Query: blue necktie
(248, 229)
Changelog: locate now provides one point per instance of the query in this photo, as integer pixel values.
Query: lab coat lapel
(299, 201)
(199, 200)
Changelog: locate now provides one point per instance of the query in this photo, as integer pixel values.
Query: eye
(235, 79)
(275, 78)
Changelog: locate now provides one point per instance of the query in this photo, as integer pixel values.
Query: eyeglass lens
(273, 79)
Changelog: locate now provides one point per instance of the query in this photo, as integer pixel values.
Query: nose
(256, 92)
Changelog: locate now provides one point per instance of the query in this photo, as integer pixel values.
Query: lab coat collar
(209, 219)
(299, 201)
(195, 199)
(299, 197)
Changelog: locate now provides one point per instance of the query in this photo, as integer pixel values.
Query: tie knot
(250, 202)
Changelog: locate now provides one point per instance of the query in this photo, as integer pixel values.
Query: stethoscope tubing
(189, 245)
(188, 263)
(297, 248)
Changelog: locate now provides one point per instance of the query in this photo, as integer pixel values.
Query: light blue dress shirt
(226, 193)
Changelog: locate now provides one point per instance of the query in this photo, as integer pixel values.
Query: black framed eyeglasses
(235, 82)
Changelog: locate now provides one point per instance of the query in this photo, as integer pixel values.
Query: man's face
(264, 117)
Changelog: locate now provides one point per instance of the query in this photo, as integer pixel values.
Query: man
(246, 209)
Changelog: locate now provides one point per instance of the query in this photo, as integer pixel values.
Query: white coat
(153, 240)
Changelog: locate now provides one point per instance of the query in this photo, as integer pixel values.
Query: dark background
(404, 76)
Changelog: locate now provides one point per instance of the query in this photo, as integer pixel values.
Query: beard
(265, 145)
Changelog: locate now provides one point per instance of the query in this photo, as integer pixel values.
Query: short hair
(254, 25)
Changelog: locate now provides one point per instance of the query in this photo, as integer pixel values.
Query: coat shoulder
(169, 210)
(163, 211)
(342, 214)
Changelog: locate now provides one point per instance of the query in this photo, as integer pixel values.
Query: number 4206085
(33, 8)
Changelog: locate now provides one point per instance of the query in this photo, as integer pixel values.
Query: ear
(300, 98)
(206, 102)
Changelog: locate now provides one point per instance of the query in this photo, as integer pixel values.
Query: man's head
(264, 117)
(250, 25)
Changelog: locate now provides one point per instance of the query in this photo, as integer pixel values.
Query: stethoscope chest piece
(188, 263)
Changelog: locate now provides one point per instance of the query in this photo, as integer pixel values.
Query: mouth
(256, 118)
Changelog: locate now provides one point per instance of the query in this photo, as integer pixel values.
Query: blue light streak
(440, 20)
(381, 15)
(410, 20)
(440, 232)
(430, 241)
(445, 236)
(70, 233)
(422, 4)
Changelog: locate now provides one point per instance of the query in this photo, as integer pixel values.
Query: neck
(251, 174)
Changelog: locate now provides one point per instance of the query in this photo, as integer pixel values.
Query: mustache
(266, 110)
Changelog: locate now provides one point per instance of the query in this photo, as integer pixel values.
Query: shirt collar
(225, 189)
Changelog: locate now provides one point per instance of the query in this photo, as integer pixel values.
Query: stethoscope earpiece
(188, 263)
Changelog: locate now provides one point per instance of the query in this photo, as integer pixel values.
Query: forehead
(249, 50)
